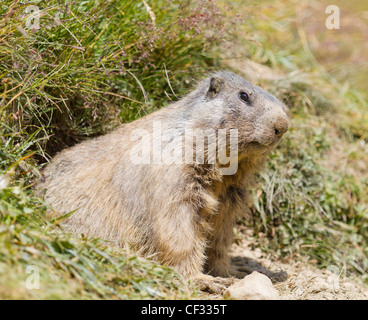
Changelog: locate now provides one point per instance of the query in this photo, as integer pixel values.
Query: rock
(256, 286)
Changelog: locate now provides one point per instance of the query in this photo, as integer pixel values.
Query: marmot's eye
(244, 96)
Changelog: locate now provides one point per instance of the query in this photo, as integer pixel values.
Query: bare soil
(298, 279)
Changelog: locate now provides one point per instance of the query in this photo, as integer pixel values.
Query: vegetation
(95, 64)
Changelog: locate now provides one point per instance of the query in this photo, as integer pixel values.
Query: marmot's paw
(238, 272)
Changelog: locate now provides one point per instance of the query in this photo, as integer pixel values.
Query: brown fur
(180, 214)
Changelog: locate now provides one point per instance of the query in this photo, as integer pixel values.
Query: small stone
(255, 286)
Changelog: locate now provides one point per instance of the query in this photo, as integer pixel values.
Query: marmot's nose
(281, 126)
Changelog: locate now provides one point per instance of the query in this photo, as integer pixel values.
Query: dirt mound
(298, 280)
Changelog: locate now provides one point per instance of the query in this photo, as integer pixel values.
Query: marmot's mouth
(255, 145)
(268, 145)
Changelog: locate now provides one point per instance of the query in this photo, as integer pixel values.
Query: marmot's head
(229, 101)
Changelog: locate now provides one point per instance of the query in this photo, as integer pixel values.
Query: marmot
(121, 187)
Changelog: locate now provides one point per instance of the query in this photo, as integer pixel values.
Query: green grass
(99, 64)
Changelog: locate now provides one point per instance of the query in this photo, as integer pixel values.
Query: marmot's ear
(215, 87)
